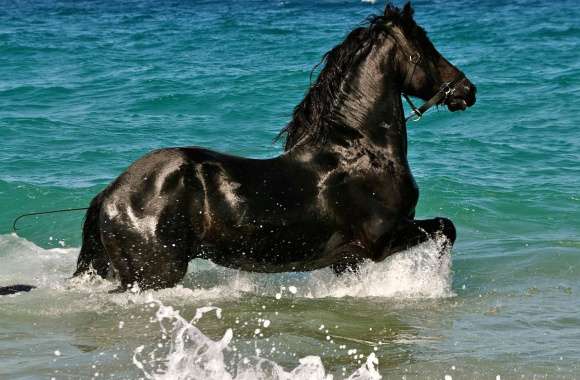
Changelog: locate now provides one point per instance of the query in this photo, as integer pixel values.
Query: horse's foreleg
(349, 256)
(410, 233)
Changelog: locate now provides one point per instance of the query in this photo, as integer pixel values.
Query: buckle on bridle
(447, 89)
(416, 115)
(415, 58)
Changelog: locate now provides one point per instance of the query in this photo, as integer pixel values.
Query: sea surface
(88, 87)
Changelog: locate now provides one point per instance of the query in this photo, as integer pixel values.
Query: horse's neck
(366, 113)
(380, 138)
(377, 117)
(370, 104)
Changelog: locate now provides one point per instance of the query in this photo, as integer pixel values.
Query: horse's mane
(311, 118)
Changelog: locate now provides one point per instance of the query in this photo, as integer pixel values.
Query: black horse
(342, 191)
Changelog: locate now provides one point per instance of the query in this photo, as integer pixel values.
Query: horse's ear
(408, 11)
(390, 9)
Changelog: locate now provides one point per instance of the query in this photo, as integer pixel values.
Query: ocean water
(88, 87)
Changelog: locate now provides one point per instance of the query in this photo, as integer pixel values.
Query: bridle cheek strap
(445, 91)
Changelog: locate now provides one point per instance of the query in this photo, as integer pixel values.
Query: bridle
(446, 90)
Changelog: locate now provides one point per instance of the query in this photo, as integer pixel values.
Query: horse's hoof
(448, 229)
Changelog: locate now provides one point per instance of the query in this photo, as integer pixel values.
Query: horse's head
(362, 78)
(424, 72)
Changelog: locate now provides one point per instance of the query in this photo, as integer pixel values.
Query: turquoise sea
(88, 87)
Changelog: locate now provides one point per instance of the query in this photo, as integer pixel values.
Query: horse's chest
(389, 186)
(402, 187)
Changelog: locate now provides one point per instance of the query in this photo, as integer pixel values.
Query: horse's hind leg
(148, 265)
(144, 262)
(413, 232)
(351, 255)
(163, 266)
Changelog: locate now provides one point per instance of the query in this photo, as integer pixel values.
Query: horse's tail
(93, 255)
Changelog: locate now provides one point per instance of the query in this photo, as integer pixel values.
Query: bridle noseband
(446, 90)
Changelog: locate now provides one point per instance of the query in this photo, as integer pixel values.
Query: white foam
(24, 262)
(419, 272)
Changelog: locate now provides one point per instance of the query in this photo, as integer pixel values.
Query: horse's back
(188, 185)
(144, 179)
(251, 213)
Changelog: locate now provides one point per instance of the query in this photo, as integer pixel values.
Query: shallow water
(87, 88)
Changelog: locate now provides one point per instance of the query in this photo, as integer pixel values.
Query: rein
(445, 91)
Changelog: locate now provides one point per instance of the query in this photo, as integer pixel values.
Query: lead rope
(14, 229)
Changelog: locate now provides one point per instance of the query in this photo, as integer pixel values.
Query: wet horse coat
(342, 191)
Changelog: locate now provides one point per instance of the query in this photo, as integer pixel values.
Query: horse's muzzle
(463, 96)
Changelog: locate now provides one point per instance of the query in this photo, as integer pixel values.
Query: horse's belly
(274, 249)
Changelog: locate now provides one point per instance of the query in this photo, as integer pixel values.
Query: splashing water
(419, 272)
(191, 355)
(185, 352)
